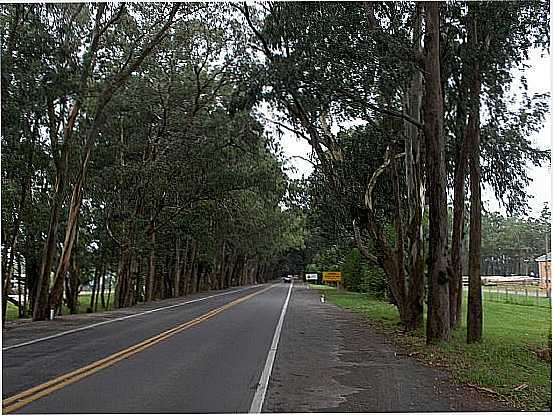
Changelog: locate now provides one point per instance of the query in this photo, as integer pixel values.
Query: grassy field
(507, 361)
(84, 303)
(515, 295)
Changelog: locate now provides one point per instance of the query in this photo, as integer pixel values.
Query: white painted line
(63, 333)
(259, 397)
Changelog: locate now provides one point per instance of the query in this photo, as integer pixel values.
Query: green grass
(321, 287)
(84, 303)
(520, 299)
(504, 360)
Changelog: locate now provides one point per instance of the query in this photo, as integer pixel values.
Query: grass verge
(508, 362)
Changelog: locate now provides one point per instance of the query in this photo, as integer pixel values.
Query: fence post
(538, 297)
(506, 295)
(526, 295)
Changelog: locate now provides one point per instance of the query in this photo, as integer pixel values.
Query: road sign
(311, 277)
(334, 276)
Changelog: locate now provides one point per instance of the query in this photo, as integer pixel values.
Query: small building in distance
(544, 270)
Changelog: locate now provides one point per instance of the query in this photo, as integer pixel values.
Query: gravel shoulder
(330, 360)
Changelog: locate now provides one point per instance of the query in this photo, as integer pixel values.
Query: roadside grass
(506, 363)
(322, 287)
(12, 312)
(528, 299)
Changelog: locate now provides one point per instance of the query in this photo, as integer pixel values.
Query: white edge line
(259, 397)
(63, 333)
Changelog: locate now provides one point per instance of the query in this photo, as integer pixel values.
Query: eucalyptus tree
(359, 73)
(25, 154)
(479, 63)
(134, 121)
(84, 63)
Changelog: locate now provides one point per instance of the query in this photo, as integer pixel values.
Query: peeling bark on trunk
(438, 327)
(74, 208)
(415, 191)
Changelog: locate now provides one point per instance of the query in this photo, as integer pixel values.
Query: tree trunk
(438, 327)
(32, 269)
(25, 294)
(73, 215)
(461, 164)
(456, 277)
(151, 263)
(72, 289)
(99, 280)
(95, 288)
(474, 313)
(103, 286)
(123, 288)
(20, 306)
(398, 251)
(109, 293)
(415, 191)
(177, 275)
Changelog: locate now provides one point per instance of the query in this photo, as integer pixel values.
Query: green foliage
(510, 244)
(353, 271)
(171, 153)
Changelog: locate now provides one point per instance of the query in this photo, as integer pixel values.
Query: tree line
(136, 143)
(401, 102)
(124, 158)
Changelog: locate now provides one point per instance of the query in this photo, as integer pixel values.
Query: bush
(360, 276)
(374, 282)
(353, 271)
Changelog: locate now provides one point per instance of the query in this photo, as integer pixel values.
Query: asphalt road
(211, 365)
(210, 353)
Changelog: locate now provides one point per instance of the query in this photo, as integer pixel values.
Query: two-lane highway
(207, 356)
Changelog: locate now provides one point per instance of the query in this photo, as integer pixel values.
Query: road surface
(265, 348)
(213, 365)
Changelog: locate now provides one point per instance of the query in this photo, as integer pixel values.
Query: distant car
(287, 279)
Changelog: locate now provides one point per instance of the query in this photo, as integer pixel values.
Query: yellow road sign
(334, 276)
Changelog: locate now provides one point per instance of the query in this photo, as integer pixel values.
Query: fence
(518, 295)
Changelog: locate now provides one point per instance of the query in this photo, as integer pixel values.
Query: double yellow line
(15, 402)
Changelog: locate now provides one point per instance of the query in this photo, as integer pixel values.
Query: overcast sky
(539, 80)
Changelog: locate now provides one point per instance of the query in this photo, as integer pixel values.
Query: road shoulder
(331, 360)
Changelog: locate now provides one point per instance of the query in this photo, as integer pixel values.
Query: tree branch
(364, 250)
(372, 182)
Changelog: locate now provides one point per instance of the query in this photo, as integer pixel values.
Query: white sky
(539, 80)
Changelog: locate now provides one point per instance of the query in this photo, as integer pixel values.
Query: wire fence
(518, 295)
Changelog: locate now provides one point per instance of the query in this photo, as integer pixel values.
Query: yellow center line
(24, 398)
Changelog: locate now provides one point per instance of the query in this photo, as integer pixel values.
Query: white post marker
(259, 397)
